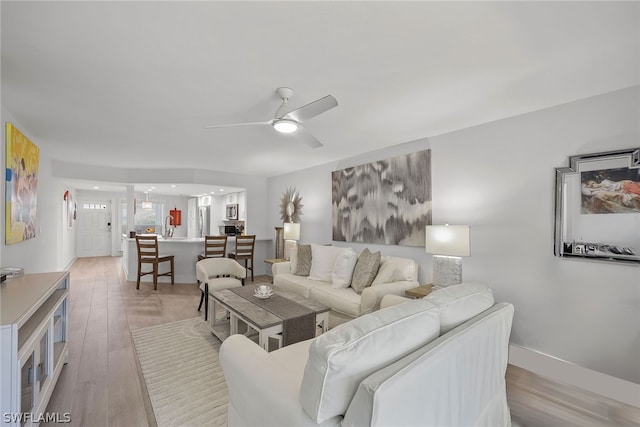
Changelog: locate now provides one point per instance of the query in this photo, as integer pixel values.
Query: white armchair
(390, 367)
(217, 274)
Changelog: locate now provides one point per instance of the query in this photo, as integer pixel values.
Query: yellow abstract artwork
(22, 184)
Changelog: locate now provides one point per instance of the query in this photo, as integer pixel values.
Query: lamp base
(447, 270)
(289, 246)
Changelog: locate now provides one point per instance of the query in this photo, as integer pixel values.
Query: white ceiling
(131, 84)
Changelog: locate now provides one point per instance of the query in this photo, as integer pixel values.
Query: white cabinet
(33, 338)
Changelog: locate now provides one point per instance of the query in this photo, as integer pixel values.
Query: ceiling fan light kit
(285, 126)
(289, 122)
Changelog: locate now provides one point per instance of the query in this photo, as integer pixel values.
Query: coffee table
(244, 316)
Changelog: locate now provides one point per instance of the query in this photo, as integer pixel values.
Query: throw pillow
(303, 265)
(343, 269)
(365, 271)
(386, 272)
(293, 259)
(322, 260)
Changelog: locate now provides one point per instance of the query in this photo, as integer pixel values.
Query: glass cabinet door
(27, 379)
(43, 365)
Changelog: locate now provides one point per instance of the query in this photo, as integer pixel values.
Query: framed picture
(597, 207)
(385, 202)
(232, 211)
(22, 164)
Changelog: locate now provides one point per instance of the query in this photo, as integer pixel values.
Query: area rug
(179, 363)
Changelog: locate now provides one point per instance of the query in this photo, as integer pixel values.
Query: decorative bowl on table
(263, 292)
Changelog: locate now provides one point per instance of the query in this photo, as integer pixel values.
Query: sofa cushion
(459, 303)
(341, 358)
(342, 300)
(303, 261)
(298, 284)
(365, 270)
(322, 260)
(343, 268)
(394, 269)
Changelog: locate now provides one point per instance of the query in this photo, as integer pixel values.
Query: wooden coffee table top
(257, 315)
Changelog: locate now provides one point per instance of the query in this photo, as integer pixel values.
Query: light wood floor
(101, 385)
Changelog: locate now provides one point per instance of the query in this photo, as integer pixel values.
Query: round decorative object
(291, 206)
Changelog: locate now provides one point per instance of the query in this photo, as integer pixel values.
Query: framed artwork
(22, 163)
(597, 207)
(383, 202)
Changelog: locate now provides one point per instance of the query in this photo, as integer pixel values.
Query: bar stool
(244, 251)
(148, 254)
(214, 247)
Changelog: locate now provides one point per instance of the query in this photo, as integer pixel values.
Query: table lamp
(447, 243)
(291, 235)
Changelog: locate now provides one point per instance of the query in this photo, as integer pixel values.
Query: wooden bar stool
(244, 251)
(214, 247)
(148, 254)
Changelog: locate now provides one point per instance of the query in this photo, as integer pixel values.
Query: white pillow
(387, 273)
(341, 358)
(343, 268)
(293, 259)
(322, 260)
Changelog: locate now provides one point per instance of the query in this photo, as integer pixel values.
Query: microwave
(232, 211)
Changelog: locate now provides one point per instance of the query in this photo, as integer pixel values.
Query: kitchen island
(185, 251)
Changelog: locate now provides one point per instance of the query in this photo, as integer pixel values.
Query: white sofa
(346, 304)
(439, 361)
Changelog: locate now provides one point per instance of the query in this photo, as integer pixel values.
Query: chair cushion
(223, 283)
(459, 303)
(341, 358)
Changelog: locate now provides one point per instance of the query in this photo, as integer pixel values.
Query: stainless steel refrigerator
(204, 219)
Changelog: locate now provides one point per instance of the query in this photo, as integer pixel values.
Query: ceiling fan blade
(305, 137)
(312, 109)
(238, 124)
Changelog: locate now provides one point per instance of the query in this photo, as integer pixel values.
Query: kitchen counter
(186, 251)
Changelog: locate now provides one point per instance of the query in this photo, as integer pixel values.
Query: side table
(420, 291)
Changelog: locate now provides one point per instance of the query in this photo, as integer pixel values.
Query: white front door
(94, 228)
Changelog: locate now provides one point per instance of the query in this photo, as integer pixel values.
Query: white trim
(68, 266)
(565, 372)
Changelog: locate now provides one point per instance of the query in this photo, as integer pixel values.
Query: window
(146, 221)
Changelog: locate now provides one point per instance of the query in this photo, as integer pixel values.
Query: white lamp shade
(450, 240)
(291, 231)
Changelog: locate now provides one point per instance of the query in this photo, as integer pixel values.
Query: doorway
(94, 228)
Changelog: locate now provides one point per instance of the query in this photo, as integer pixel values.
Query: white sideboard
(34, 316)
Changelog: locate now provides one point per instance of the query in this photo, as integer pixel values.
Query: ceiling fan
(291, 122)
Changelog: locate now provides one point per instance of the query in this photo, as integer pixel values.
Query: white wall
(499, 179)
(53, 248)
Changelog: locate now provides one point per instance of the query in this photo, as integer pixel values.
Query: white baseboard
(568, 373)
(68, 266)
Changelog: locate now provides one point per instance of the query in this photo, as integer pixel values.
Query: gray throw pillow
(303, 266)
(365, 271)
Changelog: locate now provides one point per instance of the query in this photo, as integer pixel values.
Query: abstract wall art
(22, 164)
(383, 202)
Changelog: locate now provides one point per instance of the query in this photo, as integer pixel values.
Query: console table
(33, 336)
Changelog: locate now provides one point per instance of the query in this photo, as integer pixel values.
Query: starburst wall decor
(291, 206)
